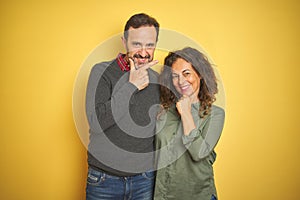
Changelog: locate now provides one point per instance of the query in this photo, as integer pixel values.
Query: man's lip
(142, 60)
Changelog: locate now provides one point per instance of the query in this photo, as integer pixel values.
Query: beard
(138, 56)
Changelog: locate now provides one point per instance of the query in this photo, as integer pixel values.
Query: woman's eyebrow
(186, 70)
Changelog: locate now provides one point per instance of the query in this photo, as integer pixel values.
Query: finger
(150, 64)
(178, 106)
(143, 73)
(146, 79)
(132, 65)
(186, 98)
(144, 86)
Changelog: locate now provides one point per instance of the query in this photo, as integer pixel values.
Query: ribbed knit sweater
(121, 120)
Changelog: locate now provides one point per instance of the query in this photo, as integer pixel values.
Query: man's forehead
(143, 31)
(142, 27)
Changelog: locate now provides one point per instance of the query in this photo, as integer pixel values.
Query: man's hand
(139, 77)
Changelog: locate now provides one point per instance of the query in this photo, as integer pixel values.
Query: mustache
(141, 57)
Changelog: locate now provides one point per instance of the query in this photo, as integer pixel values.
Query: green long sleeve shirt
(185, 162)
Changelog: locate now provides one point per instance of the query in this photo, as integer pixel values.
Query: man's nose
(143, 51)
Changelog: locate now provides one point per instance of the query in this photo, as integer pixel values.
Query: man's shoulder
(155, 73)
(153, 76)
(103, 65)
(101, 68)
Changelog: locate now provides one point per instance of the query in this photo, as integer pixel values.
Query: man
(121, 102)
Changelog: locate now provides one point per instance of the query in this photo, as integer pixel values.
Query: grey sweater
(121, 120)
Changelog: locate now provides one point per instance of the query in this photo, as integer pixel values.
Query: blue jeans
(213, 197)
(101, 186)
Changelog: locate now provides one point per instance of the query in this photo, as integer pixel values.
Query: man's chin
(139, 65)
(143, 62)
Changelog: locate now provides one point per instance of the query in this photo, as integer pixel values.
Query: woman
(188, 128)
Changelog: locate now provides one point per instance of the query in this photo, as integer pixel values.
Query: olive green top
(185, 162)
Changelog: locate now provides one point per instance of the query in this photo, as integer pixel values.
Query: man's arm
(101, 98)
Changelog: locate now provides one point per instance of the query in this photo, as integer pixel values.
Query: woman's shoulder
(218, 109)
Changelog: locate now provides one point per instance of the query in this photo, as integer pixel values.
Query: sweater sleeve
(101, 97)
(202, 140)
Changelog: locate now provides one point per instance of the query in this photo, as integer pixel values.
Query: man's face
(140, 44)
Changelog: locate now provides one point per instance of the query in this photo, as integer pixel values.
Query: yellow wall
(255, 45)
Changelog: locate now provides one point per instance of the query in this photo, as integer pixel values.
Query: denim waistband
(107, 174)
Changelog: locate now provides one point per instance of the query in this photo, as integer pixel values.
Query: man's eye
(136, 44)
(150, 45)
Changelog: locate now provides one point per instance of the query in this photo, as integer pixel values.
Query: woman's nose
(181, 79)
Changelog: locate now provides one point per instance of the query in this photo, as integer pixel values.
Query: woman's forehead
(181, 65)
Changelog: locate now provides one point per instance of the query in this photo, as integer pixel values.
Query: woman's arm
(200, 142)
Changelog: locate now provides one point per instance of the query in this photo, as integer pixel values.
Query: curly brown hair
(208, 81)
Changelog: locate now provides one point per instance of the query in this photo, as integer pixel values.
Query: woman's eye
(174, 76)
(186, 74)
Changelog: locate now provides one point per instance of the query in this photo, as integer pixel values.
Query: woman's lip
(184, 87)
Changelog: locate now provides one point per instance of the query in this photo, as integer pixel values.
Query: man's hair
(139, 20)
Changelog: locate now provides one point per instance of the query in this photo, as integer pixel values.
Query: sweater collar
(122, 62)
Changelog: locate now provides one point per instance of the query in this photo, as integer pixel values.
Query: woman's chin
(186, 93)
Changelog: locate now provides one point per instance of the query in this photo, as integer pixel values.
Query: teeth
(184, 87)
(142, 60)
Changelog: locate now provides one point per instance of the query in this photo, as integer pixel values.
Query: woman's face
(185, 79)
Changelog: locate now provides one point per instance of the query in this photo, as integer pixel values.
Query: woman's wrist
(188, 123)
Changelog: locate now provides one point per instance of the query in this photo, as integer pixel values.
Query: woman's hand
(184, 105)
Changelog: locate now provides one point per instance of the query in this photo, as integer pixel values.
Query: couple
(152, 136)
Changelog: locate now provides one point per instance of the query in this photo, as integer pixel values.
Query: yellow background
(255, 45)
